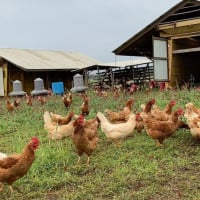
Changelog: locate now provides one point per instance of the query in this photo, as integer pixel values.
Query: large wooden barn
(172, 41)
(51, 66)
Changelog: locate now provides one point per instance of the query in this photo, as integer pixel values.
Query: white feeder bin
(39, 88)
(78, 84)
(17, 89)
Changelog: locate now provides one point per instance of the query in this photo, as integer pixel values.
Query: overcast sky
(91, 27)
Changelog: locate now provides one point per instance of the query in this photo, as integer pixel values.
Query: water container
(39, 87)
(17, 89)
(58, 88)
(78, 84)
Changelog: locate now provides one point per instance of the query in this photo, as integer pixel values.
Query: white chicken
(57, 132)
(192, 115)
(118, 131)
(194, 125)
(191, 111)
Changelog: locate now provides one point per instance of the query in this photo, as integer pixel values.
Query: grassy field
(137, 169)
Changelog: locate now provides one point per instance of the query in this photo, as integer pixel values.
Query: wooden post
(170, 48)
(85, 77)
(47, 81)
(98, 74)
(112, 78)
(5, 78)
(22, 78)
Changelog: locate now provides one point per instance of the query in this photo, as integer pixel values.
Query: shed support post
(112, 78)
(170, 49)
(85, 75)
(5, 78)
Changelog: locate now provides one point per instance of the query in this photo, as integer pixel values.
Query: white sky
(91, 27)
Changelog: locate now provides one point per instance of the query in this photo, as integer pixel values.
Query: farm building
(122, 72)
(172, 41)
(27, 65)
(109, 75)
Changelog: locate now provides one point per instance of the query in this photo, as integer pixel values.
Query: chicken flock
(159, 124)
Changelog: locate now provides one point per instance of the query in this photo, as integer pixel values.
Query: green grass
(137, 169)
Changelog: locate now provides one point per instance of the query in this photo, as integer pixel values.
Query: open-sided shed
(172, 41)
(27, 65)
(138, 70)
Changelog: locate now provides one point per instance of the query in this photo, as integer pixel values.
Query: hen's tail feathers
(106, 111)
(101, 117)
(47, 117)
(2, 155)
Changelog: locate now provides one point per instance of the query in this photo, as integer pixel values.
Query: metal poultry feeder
(39, 88)
(17, 89)
(78, 84)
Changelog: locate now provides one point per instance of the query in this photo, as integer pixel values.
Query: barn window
(160, 59)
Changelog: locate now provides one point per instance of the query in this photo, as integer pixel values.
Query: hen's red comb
(80, 119)
(173, 102)
(180, 111)
(131, 100)
(35, 139)
(153, 101)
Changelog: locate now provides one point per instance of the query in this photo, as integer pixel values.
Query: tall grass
(137, 169)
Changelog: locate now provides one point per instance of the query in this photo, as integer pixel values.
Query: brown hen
(85, 136)
(85, 105)
(160, 130)
(14, 167)
(60, 119)
(164, 114)
(67, 100)
(121, 116)
(10, 106)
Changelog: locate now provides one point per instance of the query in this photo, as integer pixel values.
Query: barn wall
(27, 78)
(63, 76)
(48, 78)
(14, 73)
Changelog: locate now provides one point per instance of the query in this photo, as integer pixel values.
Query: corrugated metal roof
(29, 60)
(127, 62)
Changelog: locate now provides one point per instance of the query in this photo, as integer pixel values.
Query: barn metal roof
(126, 63)
(41, 60)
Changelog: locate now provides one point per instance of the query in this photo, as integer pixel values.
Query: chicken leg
(88, 160)
(159, 143)
(11, 189)
(78, 161)
(1, 186)
(117, 142)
